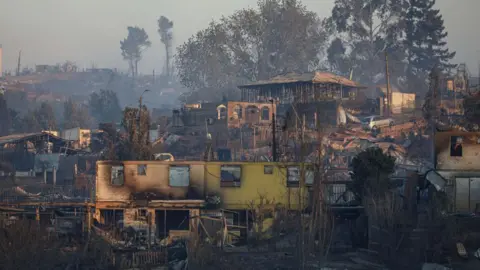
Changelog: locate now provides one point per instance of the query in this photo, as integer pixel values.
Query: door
(474, 193)
(467, 194)
(462, 192)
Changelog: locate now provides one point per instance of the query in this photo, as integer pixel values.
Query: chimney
(1, 61)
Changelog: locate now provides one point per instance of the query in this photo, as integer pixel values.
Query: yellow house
(163, 195)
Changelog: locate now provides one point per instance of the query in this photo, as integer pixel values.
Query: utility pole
(274, 139)
(18, 62)
(389, 94)
(478, 83)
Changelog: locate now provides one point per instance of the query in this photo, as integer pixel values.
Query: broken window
(142, 169)
(179, 176)
(309, 176)
(293, 176)
(456, 148)
(230, 175)
(221, 112)
(117, 176)
(238, 111)
(265, 113)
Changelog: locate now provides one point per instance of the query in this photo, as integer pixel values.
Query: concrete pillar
(54, 176)
(45, 176)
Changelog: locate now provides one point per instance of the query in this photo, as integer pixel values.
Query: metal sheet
(179, 176)
(462, 193)
(46, 162)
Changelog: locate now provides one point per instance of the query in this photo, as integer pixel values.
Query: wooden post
(89, 219)
(389, 91)
(37, 215)
(149, 220)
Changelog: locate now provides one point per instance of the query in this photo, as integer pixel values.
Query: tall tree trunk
(136, 68)
(167, 60)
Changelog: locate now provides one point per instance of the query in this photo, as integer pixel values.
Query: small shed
(401, 102)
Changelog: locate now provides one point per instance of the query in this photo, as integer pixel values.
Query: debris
(434, 266)
(462, 252)
(477, 254)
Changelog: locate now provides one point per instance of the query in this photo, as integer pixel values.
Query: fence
(130, 258)
(138, 259)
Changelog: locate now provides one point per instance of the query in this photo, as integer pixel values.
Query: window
(265, 113)
(268, 169)
(117, 177)
(230, 175)
(222, 112)
(293, 176)
(309, 177)
(456, 148)
(142, 169)
(179, 176)
(238, 110)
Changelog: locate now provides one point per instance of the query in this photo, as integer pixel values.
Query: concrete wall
(204, 180)
(254, 184)
(402, 101)
(156, 181)
(470, 158)
(246, 115)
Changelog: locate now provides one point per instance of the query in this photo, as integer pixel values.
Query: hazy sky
(89, 31)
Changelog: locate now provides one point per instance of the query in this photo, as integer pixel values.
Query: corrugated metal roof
(310, 77)
(13, 138)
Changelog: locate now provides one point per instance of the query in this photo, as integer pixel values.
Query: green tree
(137, 126)
(365, 29)
(105, 107)
(133, 47)
(252, 44)
(425, 43)
(75, 115)
(371, 169)
(46, 117)
(165, 30)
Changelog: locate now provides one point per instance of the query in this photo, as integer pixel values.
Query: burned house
(377, 98)
(317, 95)
(457, 168)
(145, 194)
(40, 167)
(164, 200)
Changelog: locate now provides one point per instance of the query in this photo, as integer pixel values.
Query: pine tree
(425, 42)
